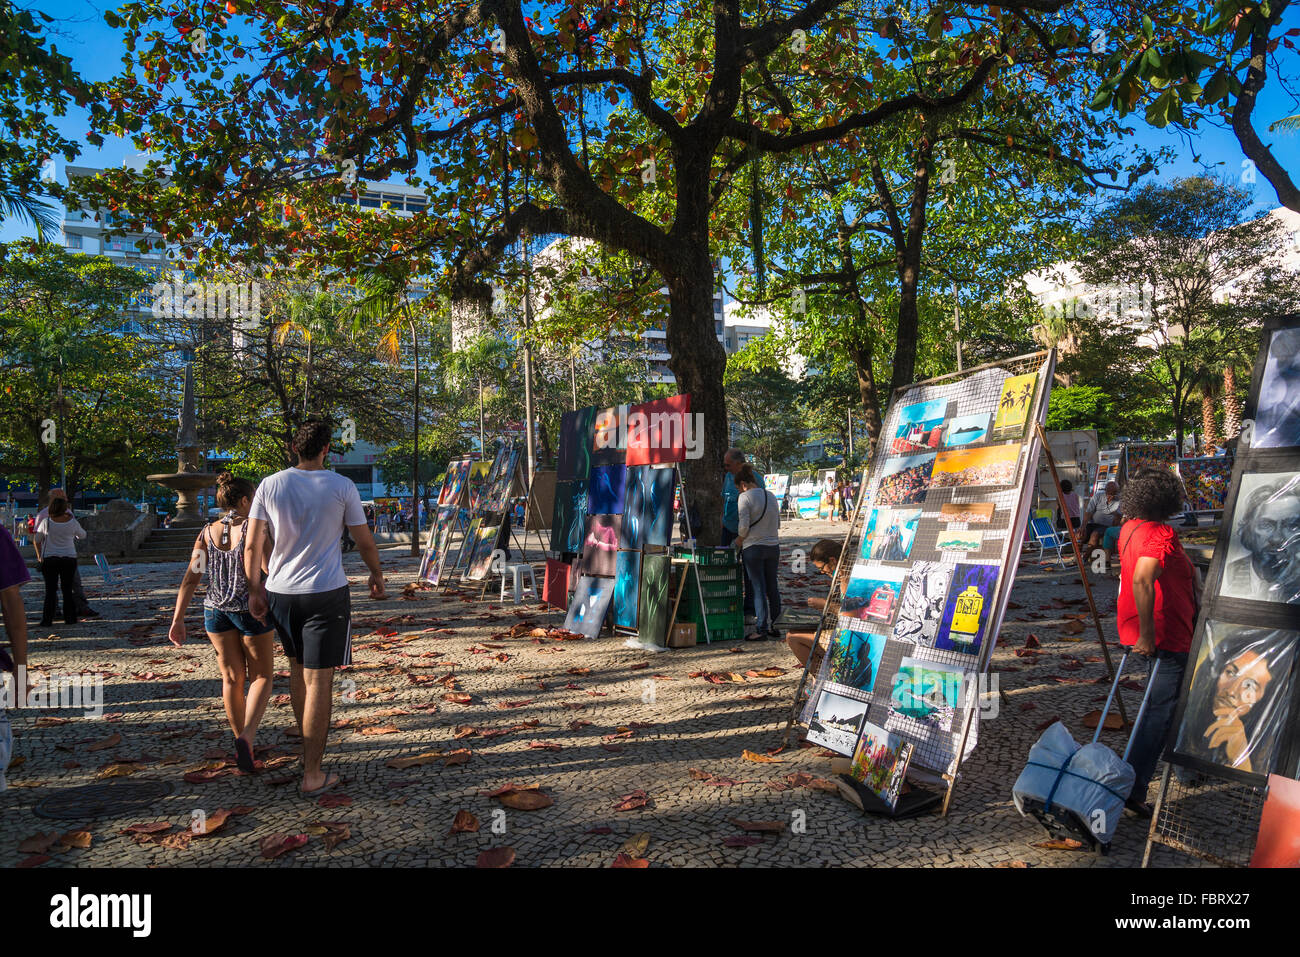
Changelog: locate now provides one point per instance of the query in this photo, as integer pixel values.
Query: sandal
(755, 636)
(244, 756)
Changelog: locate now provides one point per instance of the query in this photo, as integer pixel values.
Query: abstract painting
(1013, 406)
(591, 601)
(921, 608)
(454, 482)
(880, 762)
(466, 550)
(569, 522)
(648, 506)
(873, 593)
(968, 608)
(444, 526)
(555, 584)
(656, 431)
(477, 482)
(627, 588)
(836, 722)
(576, 437)
(600, 545)
(501, 479)
(605, 489)
(480, 562)
(608, 446)
(654, 603)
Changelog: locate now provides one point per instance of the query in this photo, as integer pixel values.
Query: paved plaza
(638, 753)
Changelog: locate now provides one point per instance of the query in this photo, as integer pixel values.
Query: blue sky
(96, 53)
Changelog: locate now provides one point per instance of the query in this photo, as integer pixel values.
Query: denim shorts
(216, 622)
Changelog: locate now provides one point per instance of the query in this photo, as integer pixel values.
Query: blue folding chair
(112, 576)
(1047, 537)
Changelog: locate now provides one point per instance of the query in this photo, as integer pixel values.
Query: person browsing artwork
(303, 510)
(1156, 610)
(733, 460)
(758, 537)
(1103, 512)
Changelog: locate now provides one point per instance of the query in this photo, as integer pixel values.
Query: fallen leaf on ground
(273, 845)
(463, 822)
(627, 860)
(630, 802)
(496, 857)
(38, 843)
(759, 827)
(1061, 844)
(761, 758)
(635, 846)
(414, 761)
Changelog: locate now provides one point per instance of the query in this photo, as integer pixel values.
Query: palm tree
(310, 315)
(42, 216)
(481, 358)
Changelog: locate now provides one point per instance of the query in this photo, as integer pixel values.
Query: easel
(1042, 361)
(684, 565)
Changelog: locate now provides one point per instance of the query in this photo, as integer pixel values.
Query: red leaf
(273, 845)
(496, 857)
(626, 860)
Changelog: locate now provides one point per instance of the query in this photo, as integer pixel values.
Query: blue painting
(569, 519)
(590, 605)
(967, 430)
(968, 608)
(854, 659)
(627, 586)
(605, 495)
(920, 427)
(648, 506)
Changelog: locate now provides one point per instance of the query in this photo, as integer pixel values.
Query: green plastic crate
(692, 613)
(724, 633)
(717, 573)
(708, 556)
(714, 606)
(723, 589)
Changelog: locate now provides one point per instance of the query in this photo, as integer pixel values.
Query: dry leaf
(273, 845)
(759, 827)
(112, 741)
(496, 857)
(630, 802)
(627, 860)
(635, 846)
(531, 800)
(761, 758)
(401, 764)
(38, 843)
(463, 822)
(1063, 844)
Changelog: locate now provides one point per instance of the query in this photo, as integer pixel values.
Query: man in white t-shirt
(304, 510)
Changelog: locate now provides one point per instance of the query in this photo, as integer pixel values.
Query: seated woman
(824, 556)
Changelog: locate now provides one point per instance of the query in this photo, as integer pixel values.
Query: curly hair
(231, 490)
(1153, 495)
(311, 438)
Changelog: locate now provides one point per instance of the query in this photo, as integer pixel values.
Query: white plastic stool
(518, 573)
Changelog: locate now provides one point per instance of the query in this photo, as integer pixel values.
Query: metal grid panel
(1207, 817)
(975, 393)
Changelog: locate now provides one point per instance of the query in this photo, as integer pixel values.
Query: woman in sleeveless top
(245, 645)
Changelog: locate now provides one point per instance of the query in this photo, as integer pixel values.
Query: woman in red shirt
(1156, 609)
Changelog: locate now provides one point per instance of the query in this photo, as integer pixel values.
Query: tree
(1182, 248)
(75, 389)
(762, 406)
(283, 113)
(1206, 63)
(36, 86)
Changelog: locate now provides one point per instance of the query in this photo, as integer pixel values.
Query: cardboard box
(682, 635)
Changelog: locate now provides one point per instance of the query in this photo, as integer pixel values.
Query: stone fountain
(188, 477)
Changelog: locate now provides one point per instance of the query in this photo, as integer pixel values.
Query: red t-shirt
(1175, 605)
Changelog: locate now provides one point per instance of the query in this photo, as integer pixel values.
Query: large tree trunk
(699, 362)
(862, 361)
(909, 271)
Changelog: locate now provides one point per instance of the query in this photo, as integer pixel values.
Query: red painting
(656, 431)
(555, 586)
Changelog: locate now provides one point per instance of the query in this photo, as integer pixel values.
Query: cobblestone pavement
(588, 722)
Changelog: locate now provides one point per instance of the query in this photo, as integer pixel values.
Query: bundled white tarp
(1094, 784)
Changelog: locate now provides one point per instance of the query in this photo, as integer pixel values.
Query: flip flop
(244, 756)
(330, 781)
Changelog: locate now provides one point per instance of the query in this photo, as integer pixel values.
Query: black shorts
(315, 629)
